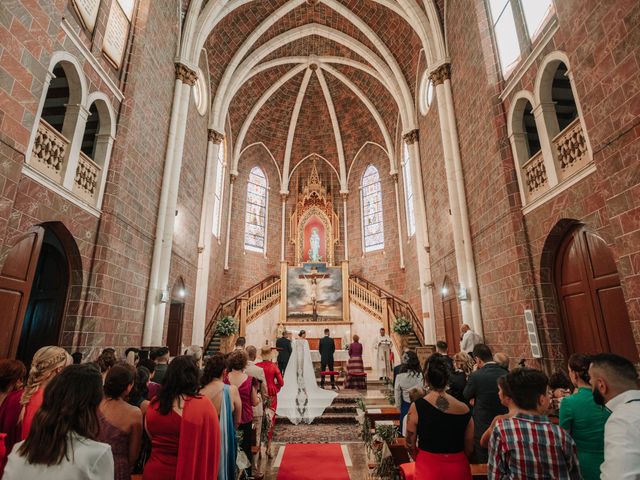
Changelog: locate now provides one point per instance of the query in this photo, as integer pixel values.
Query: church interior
(209, 175)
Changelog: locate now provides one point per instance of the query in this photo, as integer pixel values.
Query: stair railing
(397, 306)
(234, 307)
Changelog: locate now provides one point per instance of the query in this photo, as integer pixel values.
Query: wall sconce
(182, 293)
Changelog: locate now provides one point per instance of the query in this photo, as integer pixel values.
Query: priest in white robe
(382, 344)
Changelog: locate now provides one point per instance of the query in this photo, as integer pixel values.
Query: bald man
(614, 381)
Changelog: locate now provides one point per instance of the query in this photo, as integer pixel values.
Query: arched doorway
(176, 317)
(593, 310)
(34, 286)
(451, 316)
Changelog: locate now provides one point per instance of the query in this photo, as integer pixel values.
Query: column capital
(215, 136)
(232, 177)
(185, 74)
(284, 196)
(440, 74)
(411, 136)
(394, 175)
(344, 195)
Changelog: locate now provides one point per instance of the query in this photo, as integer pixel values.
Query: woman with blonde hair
(462, 368)
(46, 364)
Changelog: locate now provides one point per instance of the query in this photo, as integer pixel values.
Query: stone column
(232, 179)
(159, 278)
(283, 232)
(345, 197)
(411, 138)
(205, 238)
(398, 215)
(465, 265)
(76, 117)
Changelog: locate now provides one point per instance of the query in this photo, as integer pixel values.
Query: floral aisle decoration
(402, 326)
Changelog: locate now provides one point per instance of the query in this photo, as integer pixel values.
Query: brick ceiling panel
(271, 125)
(251, 92)
(315, 45)
(357, 126)
(314, 131)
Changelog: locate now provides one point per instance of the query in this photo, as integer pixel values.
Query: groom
(326, 348)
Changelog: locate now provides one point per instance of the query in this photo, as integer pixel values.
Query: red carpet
(311, 461)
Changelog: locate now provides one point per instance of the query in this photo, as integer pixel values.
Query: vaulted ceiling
(312, 76)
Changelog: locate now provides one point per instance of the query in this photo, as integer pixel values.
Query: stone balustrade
(86, 179)
(572, 149)
(49, 152)
(535, 176)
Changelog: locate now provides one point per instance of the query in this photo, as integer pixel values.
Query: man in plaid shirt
(528, 445)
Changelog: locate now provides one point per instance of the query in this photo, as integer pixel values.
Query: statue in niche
(314, 243)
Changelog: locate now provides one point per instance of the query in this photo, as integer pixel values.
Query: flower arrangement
(226, 326)
(402, 326)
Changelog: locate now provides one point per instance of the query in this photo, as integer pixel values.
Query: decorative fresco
(314, 293)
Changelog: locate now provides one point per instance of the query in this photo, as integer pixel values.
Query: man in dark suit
(482, 389)
(326, 348)
(283, 345)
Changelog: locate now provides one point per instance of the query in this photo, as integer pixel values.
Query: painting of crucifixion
(314, 293)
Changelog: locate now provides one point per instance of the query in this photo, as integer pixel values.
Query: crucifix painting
(314, 292)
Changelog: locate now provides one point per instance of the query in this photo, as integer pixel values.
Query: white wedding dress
(300, 399)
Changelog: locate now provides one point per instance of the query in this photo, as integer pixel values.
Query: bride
(301, 400)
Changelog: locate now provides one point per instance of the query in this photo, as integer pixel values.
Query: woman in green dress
(584, 419)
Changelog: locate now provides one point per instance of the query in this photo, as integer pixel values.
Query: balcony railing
(49, 152)
(572, 149)
(85, 184)
(535, 176)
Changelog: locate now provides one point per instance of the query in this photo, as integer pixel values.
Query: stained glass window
(256, 216)
(218, 191)
(408, 191)
(371, 200)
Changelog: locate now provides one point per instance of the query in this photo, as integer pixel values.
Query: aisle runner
(310, 461)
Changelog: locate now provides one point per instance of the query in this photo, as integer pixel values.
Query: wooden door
(592, 306)
(43, 318)
(174, 331)
(16, 280)
(451, 318)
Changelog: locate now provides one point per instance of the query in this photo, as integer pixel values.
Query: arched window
(408, 191)
(218, 191)
(371, 200)
(255, 225)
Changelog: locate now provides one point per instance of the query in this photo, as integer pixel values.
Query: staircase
(245, 308)
(386, 307)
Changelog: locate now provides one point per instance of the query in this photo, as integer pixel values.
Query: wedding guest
(409, 379)
(257, 374)
(61, 444)
(443, 349)
(226, 400)
(240, 343)
(560, 387)
(462, 368)
(528, 445)
(468, 339)
(397, 370)
(46, 364)
(77, 358)
(161, 356)
(236, 363)
(12, 374)
(614, 380)
(502, 359)
(283, 345)
(443, 427)
(482, 388)
(106, 360)
(584, 419)
(355, 365)
(152, 386)
(196, 352)
(131, 356)
(183, 427)
(120, 423)
(274, 384)
(505, 399)
(139, 394)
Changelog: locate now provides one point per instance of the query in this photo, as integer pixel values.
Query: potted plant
(402, 327)
(226, 328)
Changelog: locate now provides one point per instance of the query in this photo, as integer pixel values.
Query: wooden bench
(383, 413)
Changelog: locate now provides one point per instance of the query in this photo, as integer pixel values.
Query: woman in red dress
(12, 373)
(183, 427)
(46, 364)
(274, 384)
